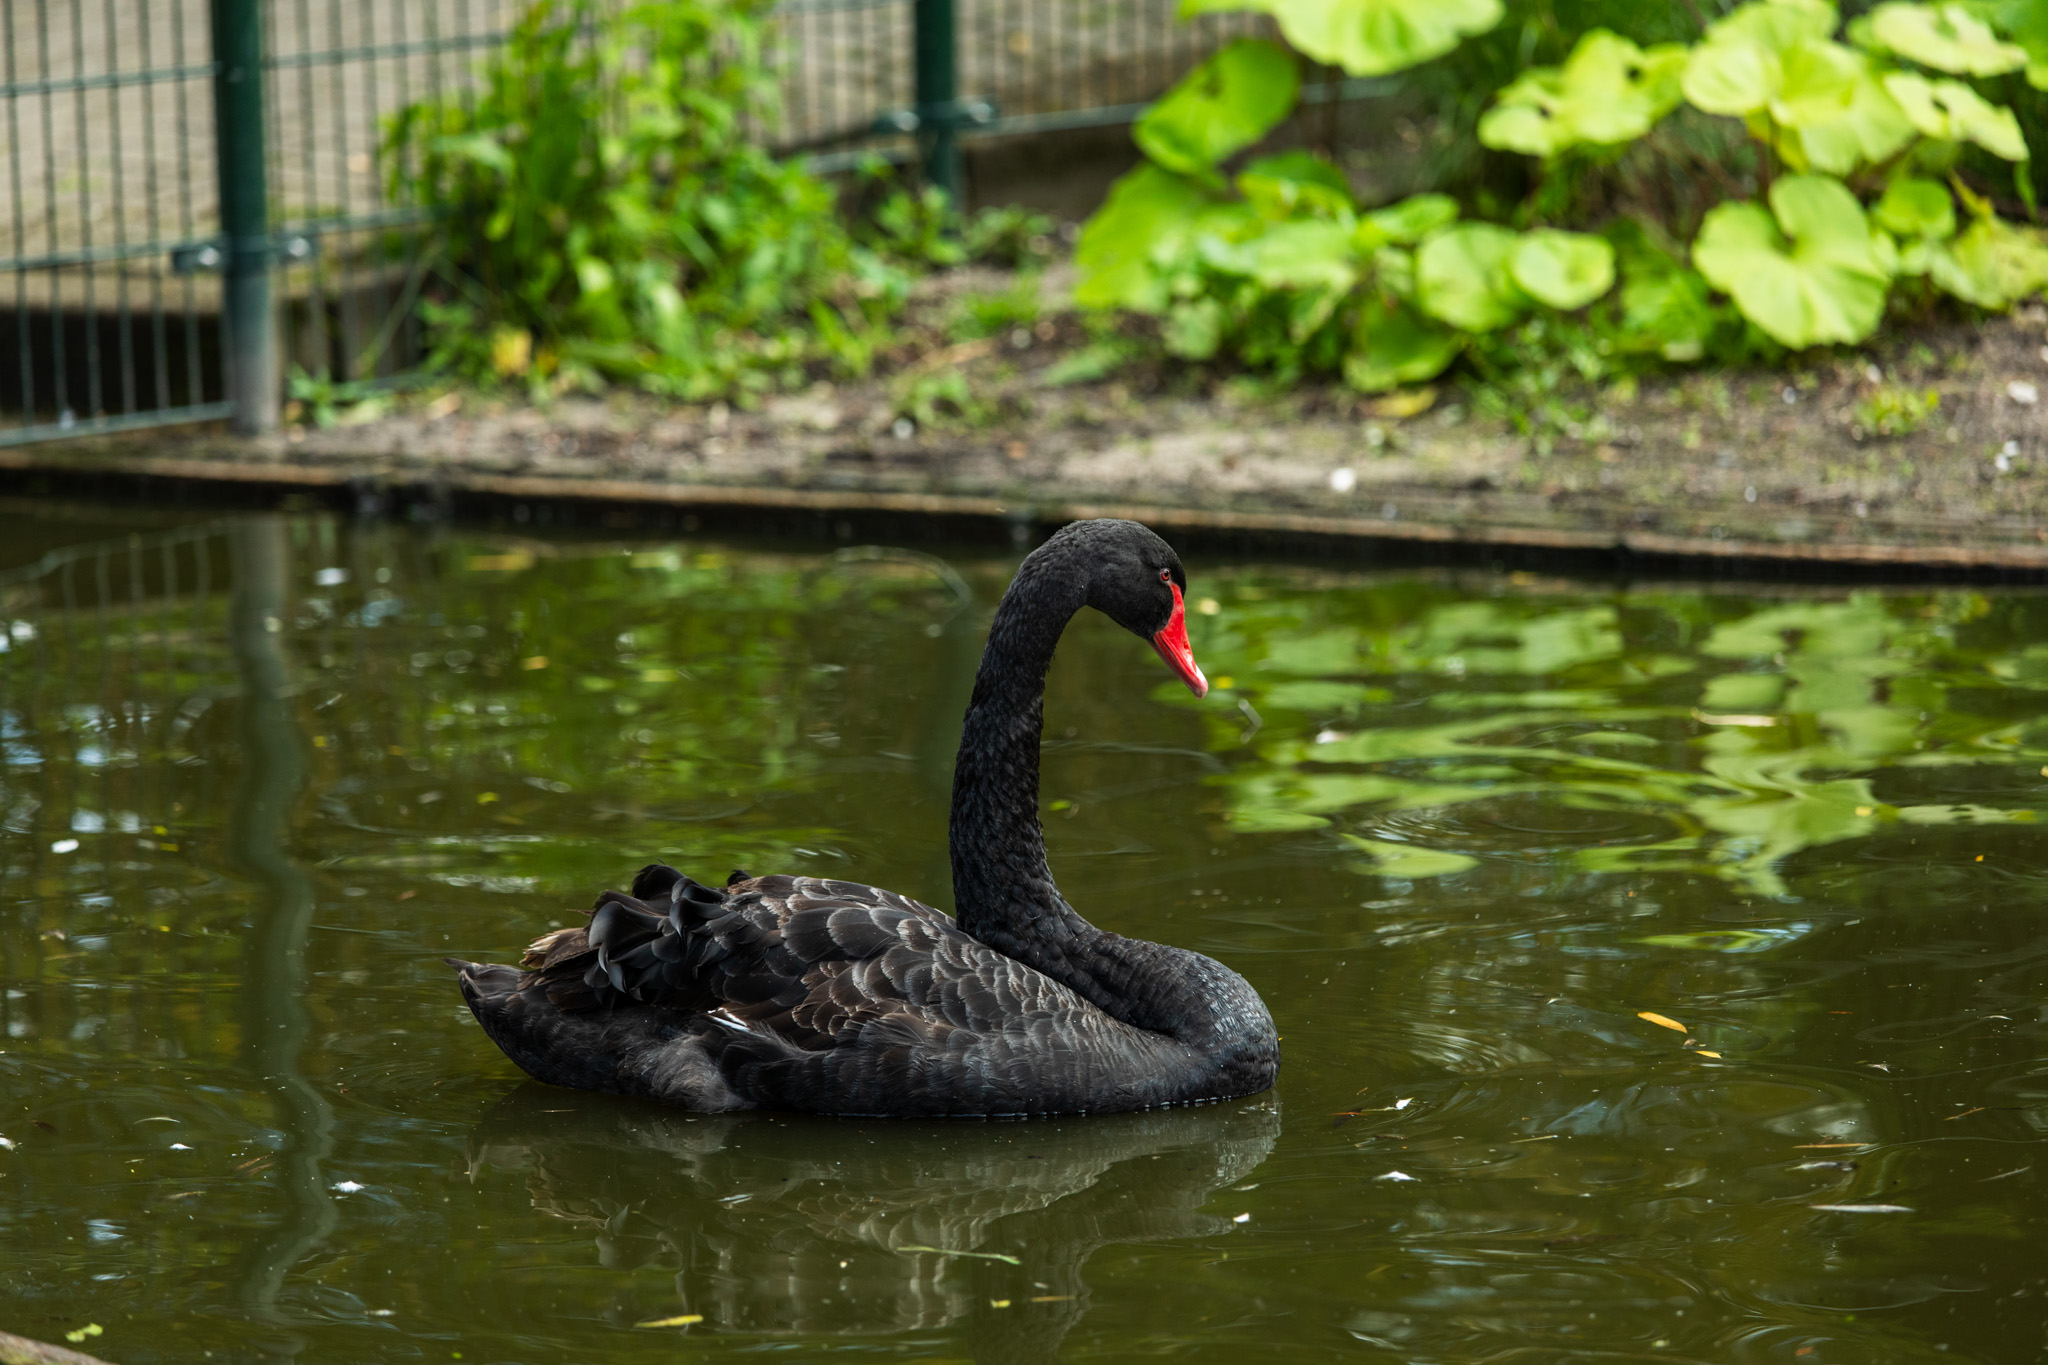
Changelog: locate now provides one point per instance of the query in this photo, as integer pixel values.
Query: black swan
(831, 997)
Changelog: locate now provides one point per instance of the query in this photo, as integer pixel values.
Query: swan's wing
(806, 960)
(832, 997)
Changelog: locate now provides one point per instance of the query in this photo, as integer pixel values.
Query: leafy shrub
(601, 213)
(1275, 263)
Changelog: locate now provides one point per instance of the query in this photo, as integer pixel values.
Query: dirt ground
(1780, 458)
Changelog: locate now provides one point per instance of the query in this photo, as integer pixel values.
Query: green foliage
(941, 398)
(1895, 410)
(1223, 106)
(1946, 37)
(921, 229)
(1607, 93)
(1368, 37)
(320, 400)
(998, 313)
(1864, 138)
(1807, 271)
(599, 195)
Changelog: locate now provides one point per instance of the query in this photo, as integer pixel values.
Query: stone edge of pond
(621, 504)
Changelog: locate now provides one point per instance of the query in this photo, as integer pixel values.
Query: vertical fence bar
(936, 48)
(251, 331)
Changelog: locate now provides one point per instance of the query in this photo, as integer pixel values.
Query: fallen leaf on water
(1661, 1020)
(1053, 1298)
(91, 1329)
(978, 1255)
(681, 1320)
(1702, 1052)
(1860, 1208)
(999, 1303)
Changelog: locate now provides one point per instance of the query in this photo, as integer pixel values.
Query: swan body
(832, 997)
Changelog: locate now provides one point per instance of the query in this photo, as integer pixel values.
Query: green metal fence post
(938, 93)
(250, 330)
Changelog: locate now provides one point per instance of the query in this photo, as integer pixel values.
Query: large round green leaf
(1914, 207)
(1993, 264)
(1295, 182)
(1392, 345)
(1775, 24)
(1806, 272)
(1833, 111)
(1566, 270)
(1735, 78)
(1608, 91)
(1369, 37)
(1952, 111)
(1222, 106)
(1147, 211)
(1739, 67)
(1408, 221)
(1462, 277)
(1946, 37)
(1305, 253)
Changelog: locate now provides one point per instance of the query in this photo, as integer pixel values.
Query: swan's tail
(632, 1051)
(548, 1044)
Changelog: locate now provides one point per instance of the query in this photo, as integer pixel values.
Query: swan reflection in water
(785, 1225)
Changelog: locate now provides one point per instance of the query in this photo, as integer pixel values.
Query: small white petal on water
(2023, 392)
(347, 1186)
(1396, 1175)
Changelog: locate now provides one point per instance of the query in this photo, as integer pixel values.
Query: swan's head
(1136, 580)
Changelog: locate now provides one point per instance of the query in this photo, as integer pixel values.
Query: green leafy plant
(1859, 133)
(1280, 266)
(941, 398)
(1896, 410)
(979, 315)
(598, 194)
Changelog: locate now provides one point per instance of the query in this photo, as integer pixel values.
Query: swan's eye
(1166, 575)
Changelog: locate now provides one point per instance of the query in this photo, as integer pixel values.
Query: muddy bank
(1931, 450)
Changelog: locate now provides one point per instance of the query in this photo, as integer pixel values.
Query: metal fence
(191, 197)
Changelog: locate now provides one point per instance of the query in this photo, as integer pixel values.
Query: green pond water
(1467, 834)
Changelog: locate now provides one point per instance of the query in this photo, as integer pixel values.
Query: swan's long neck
(1003, 890)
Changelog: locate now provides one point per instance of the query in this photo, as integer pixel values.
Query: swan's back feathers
(818, 994)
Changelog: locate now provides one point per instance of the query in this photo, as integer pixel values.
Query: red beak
(1172, 644)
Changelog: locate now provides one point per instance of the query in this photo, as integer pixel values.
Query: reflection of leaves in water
(1731, 940)
(1753, 736)
(1404, 860)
